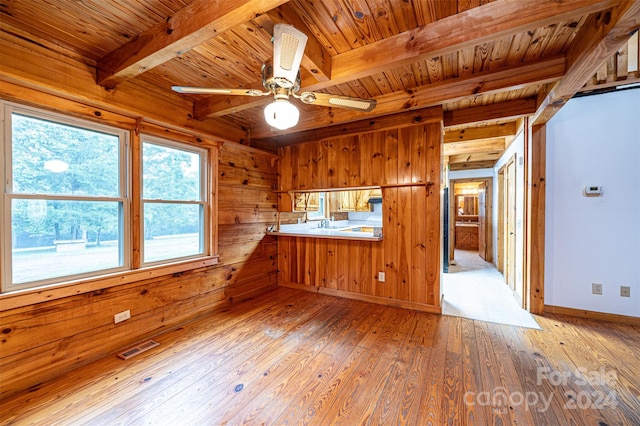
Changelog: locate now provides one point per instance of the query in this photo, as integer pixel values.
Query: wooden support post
(535, 174)
(136, 197)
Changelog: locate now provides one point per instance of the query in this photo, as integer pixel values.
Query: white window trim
(8, 195)
(204, 201)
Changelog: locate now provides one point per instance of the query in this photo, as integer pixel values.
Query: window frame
(123, 197)
(204, 199)
(61, 287)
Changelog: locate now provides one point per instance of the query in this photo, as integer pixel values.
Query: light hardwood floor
(294, 357)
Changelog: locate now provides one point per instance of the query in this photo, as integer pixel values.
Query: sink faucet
(324, 223)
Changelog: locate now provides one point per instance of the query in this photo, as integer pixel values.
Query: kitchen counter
(345, 230)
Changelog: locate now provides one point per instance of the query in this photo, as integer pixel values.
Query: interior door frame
(500, 233)
(508, 258)
(488, 219)
(488, 181)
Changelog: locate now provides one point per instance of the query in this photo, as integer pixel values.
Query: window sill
(20, 298)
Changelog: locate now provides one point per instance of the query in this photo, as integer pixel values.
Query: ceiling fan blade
(288, 48)
(217, 91)
(337, 101)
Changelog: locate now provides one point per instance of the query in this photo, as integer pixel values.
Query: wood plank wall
(41, 341)
(406, 163)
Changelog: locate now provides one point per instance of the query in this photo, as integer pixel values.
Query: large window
(67, 201)
(173, 201)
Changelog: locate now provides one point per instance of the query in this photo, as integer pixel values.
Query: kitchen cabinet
(354, 201)
(467, 236)
(306, 201)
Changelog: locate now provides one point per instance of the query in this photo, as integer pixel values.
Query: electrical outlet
(122, 316)
(381, 277)
(625, 291)
(596, 288)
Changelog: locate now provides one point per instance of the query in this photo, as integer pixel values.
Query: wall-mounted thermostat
(593, 191)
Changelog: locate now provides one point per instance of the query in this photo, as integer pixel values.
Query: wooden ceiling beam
(597, 41)
(474, 147)
(187, 28)
(482, 83)
(486, 132)
(483, 156)
(512, 77)
(499, 111)
(393, 121)
(473, 27)
(472, 165)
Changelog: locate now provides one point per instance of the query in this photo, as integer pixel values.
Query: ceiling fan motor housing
(270, 82)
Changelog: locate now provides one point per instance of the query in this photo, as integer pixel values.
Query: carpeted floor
(475, 289)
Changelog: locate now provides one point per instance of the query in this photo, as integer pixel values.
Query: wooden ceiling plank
(505, 110)
(596, 42)
(473, 27)
(318, 16)
(500, 53)
(362, 17)
(486, 132)
(474, 147)
(404, 14)
(186, 29)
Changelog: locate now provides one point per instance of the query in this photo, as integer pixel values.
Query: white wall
(594, 141)
(466, 174)
(470, 174)
(517, 148)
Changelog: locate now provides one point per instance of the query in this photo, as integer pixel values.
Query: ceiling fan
(281, 79)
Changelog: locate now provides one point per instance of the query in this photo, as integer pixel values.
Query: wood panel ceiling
(487, 63)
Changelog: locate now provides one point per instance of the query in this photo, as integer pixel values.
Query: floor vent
(138, 349)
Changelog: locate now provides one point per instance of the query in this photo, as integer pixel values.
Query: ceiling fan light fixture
(281, 114)
(281, 79)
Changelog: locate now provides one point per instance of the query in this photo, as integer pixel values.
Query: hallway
(475, 289)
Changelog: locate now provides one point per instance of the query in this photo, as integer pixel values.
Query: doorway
(471, 213)
(474, 287)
